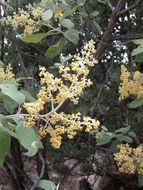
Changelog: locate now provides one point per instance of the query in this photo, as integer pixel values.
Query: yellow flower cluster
(26, 20)
(69, 124)
(55, 91)
(34, 108)
(129, 160)
(6, 74)
(130, 87)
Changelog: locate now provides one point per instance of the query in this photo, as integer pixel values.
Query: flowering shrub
(55, 91)
(130, 87)
(26, 20)
(129, 160)
(57, 28)
(6, 74)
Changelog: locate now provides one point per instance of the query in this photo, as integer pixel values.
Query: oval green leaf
(47, 185)
(34, 38)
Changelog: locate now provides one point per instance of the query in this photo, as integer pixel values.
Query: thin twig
(11, 177)
(17, 48)
(35, 185)
(18, 3)
(127, 37)
(130, 8)
(102, 87)
(22, 172)
(110, 5)
(110, 29)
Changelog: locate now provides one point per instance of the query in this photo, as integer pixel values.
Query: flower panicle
(129, 160)
(55, 91)
(130, 86)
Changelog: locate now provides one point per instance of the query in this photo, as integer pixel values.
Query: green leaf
(28, 96)
(138, 41)
(138, 50)
(10, 89)
(139, 58)
(98, 28)
(47, 185)
(7, 126)
(28, 139)
(35, 38)
(67, 23)
(102, 1)
(94, 13)
(9, 104)
(124, 138)
(69, 12)
(55, 49)
(47, 15)
(72, 35)
(115, 142)
(1, 64)
(132, 134)
(83, 14)
(106, 138)
(135, 103)
(5, 141)
(3, 120)
(140, 180)
(19, 79)
(123, 130)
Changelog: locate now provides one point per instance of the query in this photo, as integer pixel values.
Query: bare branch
(35, 185)
(22, 172)
(108, 37)
(15, 42)
(19, 3)
(130, 8)
(2, 36)
(108, 73)
(110, 5)
(17, 48)
(110, 28)
(127, 37)
(11, 176)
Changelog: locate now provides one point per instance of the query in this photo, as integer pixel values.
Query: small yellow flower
(6, 74)
(26, 20)
(129, 160)
(130, 87)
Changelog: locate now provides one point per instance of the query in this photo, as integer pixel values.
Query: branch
(17, 48)
(110, 5)
(127, 37)
(0, 10)
(107, 37)
(15, 42)
(107, 75)
(18, 3)
(110, 29)
(2, 36)
(130, 8)
(22, 172)
(11, 176)
(35, 185)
